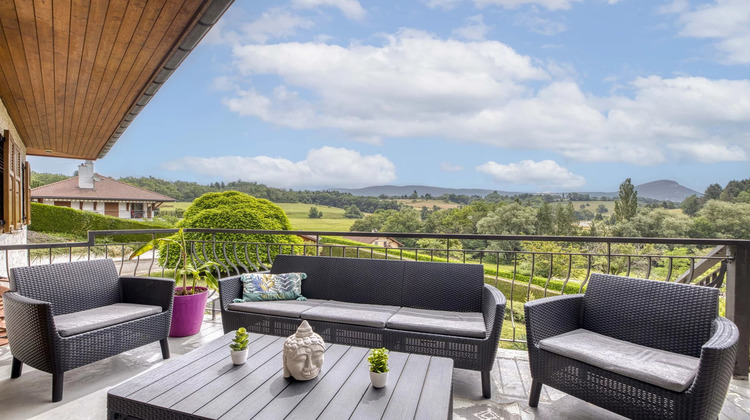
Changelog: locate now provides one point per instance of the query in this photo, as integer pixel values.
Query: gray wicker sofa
(63, 316)
(641, 348)
(429, 308)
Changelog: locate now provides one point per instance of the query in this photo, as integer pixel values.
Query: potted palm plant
(378, 359)
(189, 301)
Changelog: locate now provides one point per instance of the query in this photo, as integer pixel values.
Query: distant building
(90, 191)
(379, 241)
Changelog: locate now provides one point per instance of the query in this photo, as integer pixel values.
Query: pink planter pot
(187, 312)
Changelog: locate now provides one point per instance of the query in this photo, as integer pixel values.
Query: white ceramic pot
(378, 379)
(238, 357)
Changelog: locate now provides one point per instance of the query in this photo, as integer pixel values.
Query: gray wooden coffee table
(205, 384)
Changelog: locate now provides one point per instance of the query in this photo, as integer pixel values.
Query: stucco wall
(15, 258)
(7, 124)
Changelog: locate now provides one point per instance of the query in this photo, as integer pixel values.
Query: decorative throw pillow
(263, 286)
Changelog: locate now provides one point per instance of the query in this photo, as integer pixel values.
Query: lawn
(333, 218)
(593, 205)
(419, 203)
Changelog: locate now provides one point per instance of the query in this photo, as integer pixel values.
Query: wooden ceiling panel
(71, 71)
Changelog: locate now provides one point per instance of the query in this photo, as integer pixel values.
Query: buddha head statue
(303, 354)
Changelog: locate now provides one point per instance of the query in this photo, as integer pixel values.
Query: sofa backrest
(668, 316)
(319, 272)
(443, 286)
(70, 287)
(427, 285)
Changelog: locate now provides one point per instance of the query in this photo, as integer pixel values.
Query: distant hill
(663, 190)
(399, 190)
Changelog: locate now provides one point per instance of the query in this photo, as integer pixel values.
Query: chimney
(86, 175)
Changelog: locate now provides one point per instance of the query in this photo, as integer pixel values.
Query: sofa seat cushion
(462, 324)
(672, 371)
(289, 308)
(351, 313)
(104, 316)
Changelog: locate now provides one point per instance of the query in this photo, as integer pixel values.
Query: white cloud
(726, 21)
(449, 167)
(511, 4)
(475, 29)
(711, 152)
(441, 4)
(324, 167)
(416, 85)
(545, 173)
(352, 9)
(274, 23)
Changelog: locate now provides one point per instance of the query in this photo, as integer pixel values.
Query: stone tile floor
(85, 395)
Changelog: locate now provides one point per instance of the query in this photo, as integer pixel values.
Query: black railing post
(738, 304)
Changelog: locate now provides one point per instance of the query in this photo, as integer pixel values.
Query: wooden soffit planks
(73, 72)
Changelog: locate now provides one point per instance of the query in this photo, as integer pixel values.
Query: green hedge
(52, 219)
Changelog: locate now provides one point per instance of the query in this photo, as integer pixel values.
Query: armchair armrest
(31, 331)
(717, 358)
(230, 288)
(493, 309)
(147, 291)
(551, 316)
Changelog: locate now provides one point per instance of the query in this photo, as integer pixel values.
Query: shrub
(233, 210)
(53, 219)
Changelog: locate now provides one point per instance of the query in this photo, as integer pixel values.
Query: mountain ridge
(662, 190)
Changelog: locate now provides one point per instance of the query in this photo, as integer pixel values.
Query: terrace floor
(85, 392)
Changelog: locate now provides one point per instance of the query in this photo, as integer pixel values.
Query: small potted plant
(238, 346)
(378, 359)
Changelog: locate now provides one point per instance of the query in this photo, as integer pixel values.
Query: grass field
(593, 205)
(333, 218)
(418, 204)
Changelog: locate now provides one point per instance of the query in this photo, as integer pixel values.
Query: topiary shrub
(233, 210)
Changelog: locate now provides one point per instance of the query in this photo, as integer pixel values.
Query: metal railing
(522, 267)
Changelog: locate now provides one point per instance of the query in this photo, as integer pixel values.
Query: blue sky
(514, 95)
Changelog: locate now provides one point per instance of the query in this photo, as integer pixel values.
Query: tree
(545, 223)
(565, 219)
(513, 219)
(414, 195)
(314, 213)
(691, 205)
(353, 212)
(626, 206)
(601, 209)
(730, 220)
(713, 192)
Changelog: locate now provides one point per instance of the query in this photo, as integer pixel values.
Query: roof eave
(210, 16)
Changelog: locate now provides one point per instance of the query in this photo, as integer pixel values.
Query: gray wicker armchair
(62, 316)
(649, 317)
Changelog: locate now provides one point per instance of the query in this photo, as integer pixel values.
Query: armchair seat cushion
(664, 369)
(351, 313)
(462, 324)
(104, 316)
(290, 308)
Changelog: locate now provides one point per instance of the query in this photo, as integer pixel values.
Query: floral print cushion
(263, 286)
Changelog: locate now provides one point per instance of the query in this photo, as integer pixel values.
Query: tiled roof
(104, 189)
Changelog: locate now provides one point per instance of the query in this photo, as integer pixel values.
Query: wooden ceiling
(74, 73)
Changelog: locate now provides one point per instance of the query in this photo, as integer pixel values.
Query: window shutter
(7, 182)
(27, 191)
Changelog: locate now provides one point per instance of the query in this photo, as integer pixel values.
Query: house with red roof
(90, 191)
